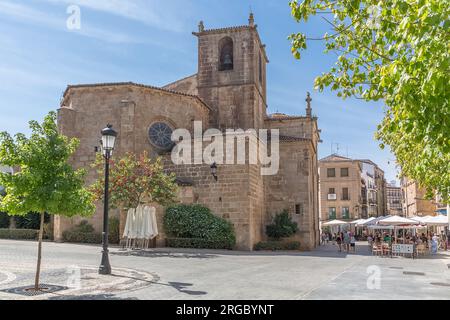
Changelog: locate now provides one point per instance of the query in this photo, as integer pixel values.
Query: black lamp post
(108, 140)
(214, 170)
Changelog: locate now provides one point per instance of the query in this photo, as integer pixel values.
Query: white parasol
(396, 221)
(335, 223)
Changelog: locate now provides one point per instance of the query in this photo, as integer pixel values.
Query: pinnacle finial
(251, 19)
(201, 26)
(308, 104)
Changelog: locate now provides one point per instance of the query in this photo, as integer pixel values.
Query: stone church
(228, 91)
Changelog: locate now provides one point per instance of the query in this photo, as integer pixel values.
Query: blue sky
(150, 42)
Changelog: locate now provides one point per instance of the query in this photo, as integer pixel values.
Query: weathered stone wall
(187, 85)
(291, 187)
(236, 196)
(237, 96)
(131, 110)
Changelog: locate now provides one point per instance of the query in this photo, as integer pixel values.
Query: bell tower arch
(232, 75)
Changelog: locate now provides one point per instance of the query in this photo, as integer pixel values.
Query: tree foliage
(45, 181)
(397, 51)
(135, 180)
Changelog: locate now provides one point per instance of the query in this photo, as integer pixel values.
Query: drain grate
(414, 273)
(29, 290)
(441, 284)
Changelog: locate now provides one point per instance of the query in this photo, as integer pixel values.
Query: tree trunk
(38, 267)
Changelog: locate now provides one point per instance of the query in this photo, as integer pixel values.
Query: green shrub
(198, 222)
(282, 226)
(82, 233)
(194, 243)
(113, 230)
(4, 220)
(81, 237)
(19, 234)
(30, 221)
(277, 245)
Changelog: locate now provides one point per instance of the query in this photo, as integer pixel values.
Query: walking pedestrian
(339, 242)
(353, 243)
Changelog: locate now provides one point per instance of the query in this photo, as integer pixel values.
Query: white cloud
(160, 14)
(28, 14)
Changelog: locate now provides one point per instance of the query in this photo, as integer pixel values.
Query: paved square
(204, 274)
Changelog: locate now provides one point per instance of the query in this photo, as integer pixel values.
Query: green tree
(45, 181)
(134, 180)
(397, 51)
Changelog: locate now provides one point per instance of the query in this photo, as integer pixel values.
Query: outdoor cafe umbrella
(335, 223)
(397, 221)
(422, 220)
(437, 221)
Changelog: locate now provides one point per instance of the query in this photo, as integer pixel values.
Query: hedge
(277, 245)
(81, 237)
(82, 233)
(85, 233)
(195, 243)
(19, 234)
(198, 222)
(4, 220)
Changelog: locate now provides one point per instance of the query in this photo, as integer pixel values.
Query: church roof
(116, 84)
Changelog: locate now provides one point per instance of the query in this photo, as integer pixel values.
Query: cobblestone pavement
(206, 274)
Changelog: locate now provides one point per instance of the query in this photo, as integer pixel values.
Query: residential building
(340, 188)
(414, 202)
(351, 189)
(394, 199)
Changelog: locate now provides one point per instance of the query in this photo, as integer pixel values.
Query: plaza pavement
(205, 274)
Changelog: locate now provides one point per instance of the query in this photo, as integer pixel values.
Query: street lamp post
(108, 140)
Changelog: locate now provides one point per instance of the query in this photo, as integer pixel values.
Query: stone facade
(228, 92)
(340, 188)
(413, 200)
(351, 189)
(394, 200)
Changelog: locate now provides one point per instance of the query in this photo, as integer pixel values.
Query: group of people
(344, 240)
(431, 240)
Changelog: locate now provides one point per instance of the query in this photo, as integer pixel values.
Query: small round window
(160, 135)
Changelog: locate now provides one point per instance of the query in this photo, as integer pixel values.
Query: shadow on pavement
(164, 254)
(180, 286)
(104, 296)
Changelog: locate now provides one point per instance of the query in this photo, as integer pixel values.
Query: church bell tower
(232, 75)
